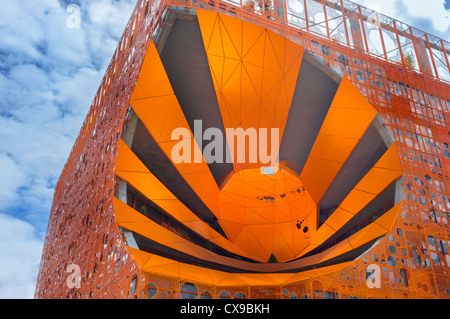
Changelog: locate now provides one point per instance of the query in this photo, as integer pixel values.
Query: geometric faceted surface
(254, 71)
(263, 213)
(342, 191)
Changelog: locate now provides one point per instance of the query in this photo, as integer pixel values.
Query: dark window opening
(324, 214)
(189, 291)
(133, 286)
(151, 291)
(240, 295)
(205, 295)
(404, 277)
(146, 8)
(224, 295)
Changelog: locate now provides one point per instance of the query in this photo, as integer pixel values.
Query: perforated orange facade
(337, 188)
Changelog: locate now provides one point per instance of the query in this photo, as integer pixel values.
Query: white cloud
(20, 253)
(430, 9)
(386, 7)
(426, 15)
(49, 74)
(12, 179)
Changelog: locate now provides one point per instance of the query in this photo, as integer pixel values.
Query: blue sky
(49, 74)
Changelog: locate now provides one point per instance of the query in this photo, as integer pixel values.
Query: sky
(51, 64)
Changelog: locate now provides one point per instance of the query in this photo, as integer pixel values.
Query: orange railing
(342, 22)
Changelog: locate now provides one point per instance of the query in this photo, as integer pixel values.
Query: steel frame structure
(411, 95)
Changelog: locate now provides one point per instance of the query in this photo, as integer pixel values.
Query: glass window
(188, 291)
(224, 295)
(140, 207)
(154, 215)
(198, 240)
(331, 295)
(240, 295)
(151, 290)
(165, 221)
(184, 232)
(205, 295)
(130, 199)
(173, 226)
(133, 286)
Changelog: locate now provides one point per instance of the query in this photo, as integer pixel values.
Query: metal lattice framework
(399, 75)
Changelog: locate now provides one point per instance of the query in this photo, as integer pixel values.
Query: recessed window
(133, 286)
(240, 295)
(140, 207)
(151, 291)
(205, 295)
(188, 291)
(224, 295)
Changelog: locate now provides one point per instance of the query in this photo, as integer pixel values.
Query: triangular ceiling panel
(261, 73)
(255, 74)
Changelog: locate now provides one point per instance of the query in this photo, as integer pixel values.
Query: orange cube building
(240, 149)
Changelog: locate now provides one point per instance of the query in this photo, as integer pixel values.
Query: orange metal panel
(262, 203)
(126, 214)
(388, 219)
(345, 124)
(348, 97)
(339, 218)
(317, 175)
(152, 81)
(390, 159)
(160, 115)
(349, 123)
(332, 148)
(356, 200)
(254, 81)
(377, 180)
